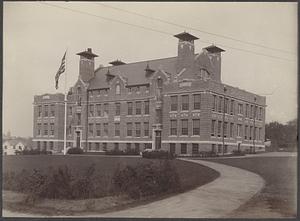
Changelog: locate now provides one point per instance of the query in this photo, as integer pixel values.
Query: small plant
(75, 150)
(157, 154)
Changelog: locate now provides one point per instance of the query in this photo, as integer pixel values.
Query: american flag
(61, 70)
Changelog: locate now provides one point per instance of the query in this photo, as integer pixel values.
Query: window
(128, 147)
(46, 111)
(39, 111)
(247, 110)
(214, 104)
(98, 129)
(105, 129)
(172, 148)
(137, 147)
(183, 148)
(226, 105)
(147, 88)
(225, 148)
(260, 113)
(117, 129)
(98, 110)
(184, 127)
(251, 111)
(225, 125)
(251, 129)
(78, 119)
(195, 148)
(219, 148)
(116, 146)
(173, 130)
(91, 130)
(255, 112)
(104, 145)
(129, 108)
(246, 132)
(137, 129)
(213, 126)
(97, 146)
(240, 108)
(146, 103)
(45, 145)
(197, 99)
(38, 145)
(138, 89)
(259, 134)
(51, 145)
(138, 108)
(45, 129)
(129, 129)
(118, 109)
(146, 129)
(70, 111)
(232, 107)
(239, 130)
(159, 82)
(52, 108)
(39, 128)
(219, 128)
(52, 129)
(91, 110)
(148, 146)
(106, 110)
(174, 103)
(231, 129)
(220, 104)
(196, 127)
(213, 148)
(184, 102)
(118, 90)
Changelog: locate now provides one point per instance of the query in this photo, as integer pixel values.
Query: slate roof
(133, 72)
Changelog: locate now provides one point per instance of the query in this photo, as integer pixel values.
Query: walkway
(216, 199)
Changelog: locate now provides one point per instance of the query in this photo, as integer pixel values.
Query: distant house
(11, 146)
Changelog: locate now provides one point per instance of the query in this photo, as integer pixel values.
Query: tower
(87, 64)
(214, 54)
(186, 50)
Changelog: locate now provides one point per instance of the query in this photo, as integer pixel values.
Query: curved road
(233, 188)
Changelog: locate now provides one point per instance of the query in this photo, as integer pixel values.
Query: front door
(78, 137)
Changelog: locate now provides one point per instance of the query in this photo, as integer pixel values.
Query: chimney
(116, 62)
(87, 64)
(186, 50)
(214, 54)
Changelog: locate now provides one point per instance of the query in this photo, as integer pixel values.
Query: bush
(238, 153)
(75, 150)
(147, 180)
(157, 154)
(33, 152)
(121, 152)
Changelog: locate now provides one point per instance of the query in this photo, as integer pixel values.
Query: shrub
(238, 153)
(121, 152)
(147, 180)
(33, 152)
(75, 150)
(157, 154)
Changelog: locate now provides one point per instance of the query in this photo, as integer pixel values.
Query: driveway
(233, 188)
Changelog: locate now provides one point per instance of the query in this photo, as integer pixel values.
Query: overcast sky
(36, 36)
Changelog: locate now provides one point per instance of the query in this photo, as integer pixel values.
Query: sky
(36, 35)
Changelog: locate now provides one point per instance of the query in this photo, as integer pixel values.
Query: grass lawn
(280, 193)
(191, 176)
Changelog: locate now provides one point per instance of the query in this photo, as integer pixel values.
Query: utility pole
(225, 89)
(254, 137)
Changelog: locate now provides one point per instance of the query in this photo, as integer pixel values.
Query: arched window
(118, 90)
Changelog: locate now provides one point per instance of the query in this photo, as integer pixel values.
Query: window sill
(195, 136)
(172, 136)
(196, 110)
(184, 136)
(184, 111)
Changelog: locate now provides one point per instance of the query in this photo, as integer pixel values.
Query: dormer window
(78, 90)
(159, 82)
(138, 89)
(118, 89)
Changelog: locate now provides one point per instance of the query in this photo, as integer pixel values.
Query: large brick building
(177, 104)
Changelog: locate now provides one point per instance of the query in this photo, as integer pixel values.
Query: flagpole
(65, 124)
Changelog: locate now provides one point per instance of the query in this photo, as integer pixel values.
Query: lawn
(280, 193)
(190, 175)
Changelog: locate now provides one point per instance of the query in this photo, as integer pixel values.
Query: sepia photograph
(149, 109)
